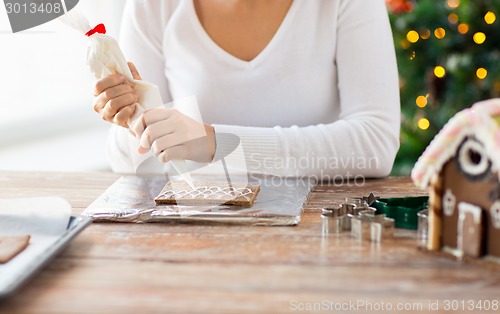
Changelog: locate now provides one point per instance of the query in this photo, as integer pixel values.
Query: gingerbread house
(461, 169)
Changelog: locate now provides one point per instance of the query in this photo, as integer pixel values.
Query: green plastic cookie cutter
(403, 210)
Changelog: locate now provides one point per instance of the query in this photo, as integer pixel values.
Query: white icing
(449, 201)
(495, 214)
(465, 161)
(210, 192)
(467, 208)
(463, 209)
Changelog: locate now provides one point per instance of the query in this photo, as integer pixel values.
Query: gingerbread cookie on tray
(208, 193)
(10, 246)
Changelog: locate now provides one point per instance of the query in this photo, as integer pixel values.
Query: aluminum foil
(131, 199)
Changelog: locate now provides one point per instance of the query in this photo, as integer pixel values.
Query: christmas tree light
(421, 101)
(439, 71)
(423, 124)
(453, 3)
(481, 73)
(453, 18)
(439, 33)
(412, 36)
(479, 38)
(463, 28)
(490, 17)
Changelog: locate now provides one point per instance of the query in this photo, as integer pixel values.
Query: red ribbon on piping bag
(101, 29)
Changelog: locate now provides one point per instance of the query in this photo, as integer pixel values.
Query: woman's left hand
(171, 135)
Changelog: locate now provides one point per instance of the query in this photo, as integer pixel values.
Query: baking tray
(76, 225)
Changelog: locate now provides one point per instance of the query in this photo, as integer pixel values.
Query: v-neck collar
(209, 42)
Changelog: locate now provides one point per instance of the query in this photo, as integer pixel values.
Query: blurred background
(448, 58)
(46, 117)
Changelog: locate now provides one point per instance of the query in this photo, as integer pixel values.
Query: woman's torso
(292, 81)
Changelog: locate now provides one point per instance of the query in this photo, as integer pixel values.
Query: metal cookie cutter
(353, 207)
(371, 227)
(333, 220)
(423, 227)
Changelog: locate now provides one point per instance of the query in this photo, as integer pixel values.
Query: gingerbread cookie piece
(11, 246)
(208, 193)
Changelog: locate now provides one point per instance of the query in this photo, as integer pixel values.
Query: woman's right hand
(115, 98)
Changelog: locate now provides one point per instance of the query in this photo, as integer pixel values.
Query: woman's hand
(115, 98)
(171, 135)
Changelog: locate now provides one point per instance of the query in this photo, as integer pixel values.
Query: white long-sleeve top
(321, 99)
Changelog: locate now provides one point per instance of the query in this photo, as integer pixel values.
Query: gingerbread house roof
(481, 120)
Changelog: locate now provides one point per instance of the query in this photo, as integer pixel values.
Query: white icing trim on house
(449, 201)
(466, 208)
(491, 258)
(495, 214)
(465, 161)
(453, 251)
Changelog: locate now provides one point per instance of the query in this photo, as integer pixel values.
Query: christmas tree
(448, 58)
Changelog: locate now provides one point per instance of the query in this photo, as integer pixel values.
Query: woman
(309, 87)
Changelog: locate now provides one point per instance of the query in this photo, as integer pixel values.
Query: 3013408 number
(33, 8)
(471, 305)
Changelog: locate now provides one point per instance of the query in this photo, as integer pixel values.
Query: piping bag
(104, 57)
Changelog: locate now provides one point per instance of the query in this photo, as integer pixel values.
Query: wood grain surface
(185, 268)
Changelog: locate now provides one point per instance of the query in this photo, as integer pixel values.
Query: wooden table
(165, 268)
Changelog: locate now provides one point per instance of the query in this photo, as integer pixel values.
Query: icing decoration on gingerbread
(449, 201)
(207, 192)
(495, 214)
(472, 158)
